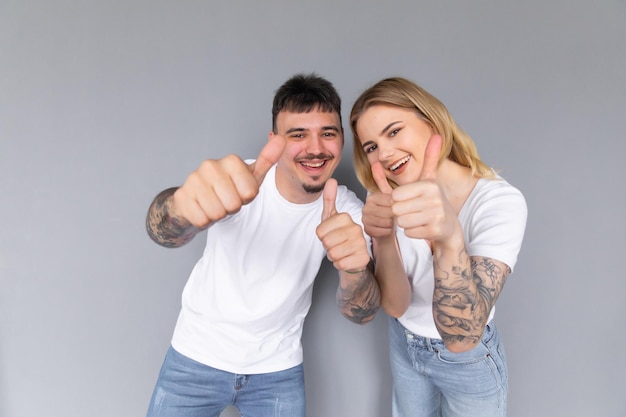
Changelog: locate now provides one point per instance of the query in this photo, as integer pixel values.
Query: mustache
(311, 157)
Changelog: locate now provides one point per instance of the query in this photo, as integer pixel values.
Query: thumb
(330, 195)
(378, 172)
(431, 158)
(268, 157)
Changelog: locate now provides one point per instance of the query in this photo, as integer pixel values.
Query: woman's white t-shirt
(493, 219)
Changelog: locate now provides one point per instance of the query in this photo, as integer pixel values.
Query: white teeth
(399, 163)
(313, 165)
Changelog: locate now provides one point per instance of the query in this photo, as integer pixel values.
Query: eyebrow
(388, 127)
(302, 129)
(382, 132)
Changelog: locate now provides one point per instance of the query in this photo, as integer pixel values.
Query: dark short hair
(303, 93)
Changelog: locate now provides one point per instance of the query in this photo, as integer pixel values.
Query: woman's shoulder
(495, 194)
(491, 187)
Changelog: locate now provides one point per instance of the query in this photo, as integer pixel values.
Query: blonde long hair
(457, 145)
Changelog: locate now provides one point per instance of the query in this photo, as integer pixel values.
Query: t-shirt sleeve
(497, 224)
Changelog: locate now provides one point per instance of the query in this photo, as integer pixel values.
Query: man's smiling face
(313, 151)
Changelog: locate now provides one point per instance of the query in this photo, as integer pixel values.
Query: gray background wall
(105, 103)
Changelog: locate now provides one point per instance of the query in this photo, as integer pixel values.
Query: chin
(313, 188)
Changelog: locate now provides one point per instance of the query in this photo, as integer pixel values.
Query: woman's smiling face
(396, 137)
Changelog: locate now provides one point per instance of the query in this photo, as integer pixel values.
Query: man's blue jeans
(186, 388)
(431, 381)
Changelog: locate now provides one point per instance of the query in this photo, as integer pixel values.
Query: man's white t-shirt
(244, 304)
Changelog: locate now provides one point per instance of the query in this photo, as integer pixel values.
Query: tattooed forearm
(359, 297)
(465, 292)
(167, 231)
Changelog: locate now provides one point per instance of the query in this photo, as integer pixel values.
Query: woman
(446, 231)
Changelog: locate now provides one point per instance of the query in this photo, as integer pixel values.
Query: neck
(456, 181)
(292, 191)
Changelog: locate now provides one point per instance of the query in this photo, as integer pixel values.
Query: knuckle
(248, 194)
(233, 205)
(217, 213)
(231, 158)
(206, 167)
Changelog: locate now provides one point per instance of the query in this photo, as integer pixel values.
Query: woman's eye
(393, 132)
(370, 148)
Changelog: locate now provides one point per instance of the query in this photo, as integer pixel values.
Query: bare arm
(378, 223)
(466, 289)
(358, 294)
(395, 287)
(164, 228)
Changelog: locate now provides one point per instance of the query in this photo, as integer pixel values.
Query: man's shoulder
(347, 197)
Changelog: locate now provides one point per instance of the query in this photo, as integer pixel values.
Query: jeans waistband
(435, 344)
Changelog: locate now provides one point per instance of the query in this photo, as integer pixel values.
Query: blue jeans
(431, 381)
(187, 388)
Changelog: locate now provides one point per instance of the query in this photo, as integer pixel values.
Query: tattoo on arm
(464, 295)
(359, 302)
(167, 231)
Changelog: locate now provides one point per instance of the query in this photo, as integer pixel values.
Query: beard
(313, 189)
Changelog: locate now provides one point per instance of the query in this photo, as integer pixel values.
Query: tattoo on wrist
(360, 302)
(165, 230)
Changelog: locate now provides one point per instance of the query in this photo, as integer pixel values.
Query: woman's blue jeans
(187, 388)
(431, 381)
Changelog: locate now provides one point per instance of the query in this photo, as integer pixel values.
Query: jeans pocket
(475, 373)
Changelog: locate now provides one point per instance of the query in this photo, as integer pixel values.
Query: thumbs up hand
(421, 208)
(329, 196)
(220, 187)
(378, 218)
(268, 156)
(342, 238)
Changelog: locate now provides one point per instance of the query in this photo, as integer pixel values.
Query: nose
(384, 152)
(315, 145)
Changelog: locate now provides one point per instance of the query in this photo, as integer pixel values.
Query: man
(269, 222)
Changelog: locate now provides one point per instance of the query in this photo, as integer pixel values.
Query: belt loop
(408, 335)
